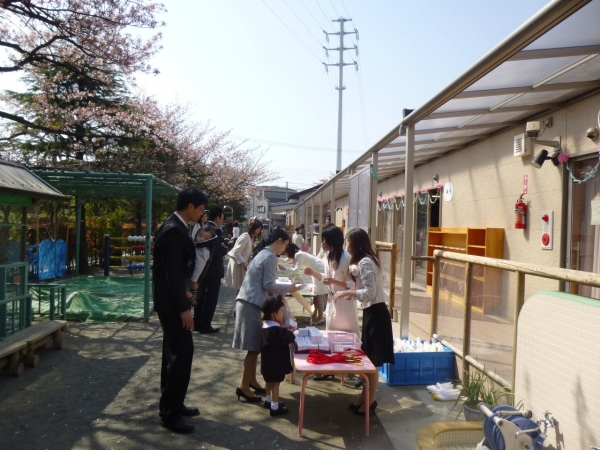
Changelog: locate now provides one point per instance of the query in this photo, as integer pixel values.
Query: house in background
(264, 203)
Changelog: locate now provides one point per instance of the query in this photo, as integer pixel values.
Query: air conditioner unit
(521, 145)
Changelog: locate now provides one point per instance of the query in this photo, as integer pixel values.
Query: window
(260, 209)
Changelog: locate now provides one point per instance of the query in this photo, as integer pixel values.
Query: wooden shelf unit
(486, 284)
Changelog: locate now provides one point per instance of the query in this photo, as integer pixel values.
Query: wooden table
(301, 366)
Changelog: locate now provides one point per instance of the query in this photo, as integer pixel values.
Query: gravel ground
(102, 392)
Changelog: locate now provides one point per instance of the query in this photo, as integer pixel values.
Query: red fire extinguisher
(520, 213)
(343, 223)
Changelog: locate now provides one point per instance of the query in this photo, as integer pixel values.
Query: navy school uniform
(275, 361)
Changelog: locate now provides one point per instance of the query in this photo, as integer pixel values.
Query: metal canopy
(16, 179)
(112, 185)
(107, 185)
(544, 65)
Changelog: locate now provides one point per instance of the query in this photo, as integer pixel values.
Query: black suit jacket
(215, 269)
(174, 258)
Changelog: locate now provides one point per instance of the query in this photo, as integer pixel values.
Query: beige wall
(488, 180)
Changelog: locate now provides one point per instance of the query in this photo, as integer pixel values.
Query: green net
(94, 299)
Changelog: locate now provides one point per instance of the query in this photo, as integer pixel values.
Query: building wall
(488, 180)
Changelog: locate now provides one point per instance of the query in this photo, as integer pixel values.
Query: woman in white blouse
(341, 316)
(304, 260)
(239, 255)
(377, 336)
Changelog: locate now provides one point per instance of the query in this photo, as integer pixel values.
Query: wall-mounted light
(542, 156)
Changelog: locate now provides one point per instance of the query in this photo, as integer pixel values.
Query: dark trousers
(177, 354)
(208, 296)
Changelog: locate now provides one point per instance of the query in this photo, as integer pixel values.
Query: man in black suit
(208, 295)
(174, 257)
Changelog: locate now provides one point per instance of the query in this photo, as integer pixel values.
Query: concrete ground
(102, 392)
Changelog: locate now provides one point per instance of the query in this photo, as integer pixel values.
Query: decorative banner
(525, 184)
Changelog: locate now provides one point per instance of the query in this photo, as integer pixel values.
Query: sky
(254, 68)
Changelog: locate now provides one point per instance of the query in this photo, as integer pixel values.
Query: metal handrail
(521, 269)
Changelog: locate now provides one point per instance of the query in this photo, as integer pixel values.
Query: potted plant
(479, 390)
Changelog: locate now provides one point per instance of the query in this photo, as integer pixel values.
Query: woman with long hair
(259, 283)
(339, 316)
(303, 260)
(377, 336)
(239, 255)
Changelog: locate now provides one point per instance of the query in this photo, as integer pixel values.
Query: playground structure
(97, 185)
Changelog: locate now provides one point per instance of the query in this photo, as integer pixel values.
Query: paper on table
(306, 286)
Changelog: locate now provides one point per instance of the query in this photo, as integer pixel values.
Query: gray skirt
(248, 327)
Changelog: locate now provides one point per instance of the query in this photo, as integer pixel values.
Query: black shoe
(249, 399)
(353, 407)
(189, 412)
(267, 405)
(208, 330)
(258, 390)
(279, 411)
(324, 377)
(177, 425)
(371, 409)
(359, 383)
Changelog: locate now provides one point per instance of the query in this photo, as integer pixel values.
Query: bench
(25, 342)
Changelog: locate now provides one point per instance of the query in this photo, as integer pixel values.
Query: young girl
(275, 361)
(377, 337)
(203, 235)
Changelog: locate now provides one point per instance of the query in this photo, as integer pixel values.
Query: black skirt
(377, 335)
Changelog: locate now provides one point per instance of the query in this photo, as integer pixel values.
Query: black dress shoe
(208, 330)
(249, 399)
(279, 411)
(177, 425)
(258, 390)
(189, 412)
(267, 404)
(353, 407)
(358, 412)
(359, 383)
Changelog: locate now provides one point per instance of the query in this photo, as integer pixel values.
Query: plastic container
(338, 342)
(419, 368)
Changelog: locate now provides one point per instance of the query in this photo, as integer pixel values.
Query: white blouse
(369, 283)
(242, 249)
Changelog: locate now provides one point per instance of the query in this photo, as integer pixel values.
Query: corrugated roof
(16, 179)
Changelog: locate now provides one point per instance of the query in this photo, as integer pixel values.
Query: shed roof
(16, 179)
(107, 185)
(547, 63)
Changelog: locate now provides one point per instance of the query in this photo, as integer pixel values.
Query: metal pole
(147, 249)
(520, 301)
(338, 166)
(408, 231)
(466, 348)
(77, 233)
(332, 211)
(373, 199)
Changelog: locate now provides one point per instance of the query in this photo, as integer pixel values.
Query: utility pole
(341, 86)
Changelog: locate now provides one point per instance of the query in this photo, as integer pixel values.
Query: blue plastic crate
(419, 368)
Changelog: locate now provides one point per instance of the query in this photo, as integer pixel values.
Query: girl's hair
(235, 224)
(253, 225)
(292, 250)
(360, 244)
(270, 306)
(335, 240)
(277, 233)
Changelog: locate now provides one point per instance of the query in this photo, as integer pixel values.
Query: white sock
(274, 406)
(269, 398)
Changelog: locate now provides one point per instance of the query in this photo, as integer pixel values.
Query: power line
(336, 13)
(289, 145)
(311, 14)
(326, 18)
(303, 24)
(290, 30)
(342, 2)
